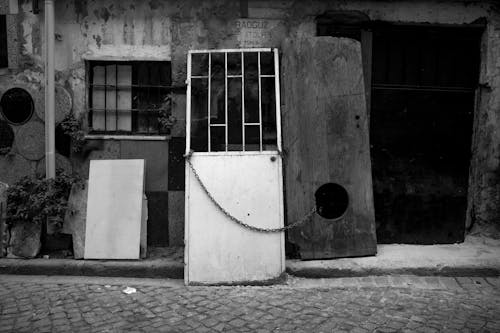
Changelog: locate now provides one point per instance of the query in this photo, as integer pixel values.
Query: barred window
(128, 97)
(3, 42)
(233, 100)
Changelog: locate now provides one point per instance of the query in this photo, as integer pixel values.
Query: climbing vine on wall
(73, 128)
(165, 118)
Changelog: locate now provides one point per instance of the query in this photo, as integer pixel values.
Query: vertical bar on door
(186, 168)
(277, 99)
(225, 95)
(116, 98)
(209, 93)
(260, 102)
(243, 101)
(105, 97)
(188, 105)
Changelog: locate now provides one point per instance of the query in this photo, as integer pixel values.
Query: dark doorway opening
(423, 86)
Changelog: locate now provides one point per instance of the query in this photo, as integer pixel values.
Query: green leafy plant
(36, 199)
(165, 118)
(73, 127)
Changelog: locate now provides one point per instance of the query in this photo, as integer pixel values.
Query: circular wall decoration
(64, 104)
(17, 106)
(332, 201)
(30, 140)
(6, 137)
(14, 167)
(62, 163)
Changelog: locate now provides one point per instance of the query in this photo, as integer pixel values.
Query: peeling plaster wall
(167, 29)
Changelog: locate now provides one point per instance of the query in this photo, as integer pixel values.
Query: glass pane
(217, 90)
(165, 71)
(141, 97)
(111, 98)
(252, 137)
(251, 88)
(217, 138)
(234, 63)
(199, 64)
(148, 122)
(268, 114)
(267, 63)
(199, 109)
(234, 114)
(98, 99)
(124, 97)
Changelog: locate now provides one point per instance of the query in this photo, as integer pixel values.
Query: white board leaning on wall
(115, 209)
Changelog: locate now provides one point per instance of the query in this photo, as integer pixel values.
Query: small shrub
(34, 199)
(165, 118)
(73, 127)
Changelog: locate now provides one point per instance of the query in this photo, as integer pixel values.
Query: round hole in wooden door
(332, 201)
(17, 106)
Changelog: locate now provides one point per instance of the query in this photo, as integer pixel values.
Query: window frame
(134, 133)
(4, 42)
(277, 101)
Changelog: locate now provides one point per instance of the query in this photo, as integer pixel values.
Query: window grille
(3, 42)
(233, 104)
(128, 97)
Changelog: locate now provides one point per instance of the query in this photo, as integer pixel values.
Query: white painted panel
(114, 209)
(249, 186)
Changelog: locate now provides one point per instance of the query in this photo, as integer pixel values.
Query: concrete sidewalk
(477, 256)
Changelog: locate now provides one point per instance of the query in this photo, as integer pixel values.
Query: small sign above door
(259, 32)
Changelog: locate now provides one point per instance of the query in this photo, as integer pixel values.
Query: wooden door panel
(325, 132)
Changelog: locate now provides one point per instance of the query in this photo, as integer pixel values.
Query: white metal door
(233, 138)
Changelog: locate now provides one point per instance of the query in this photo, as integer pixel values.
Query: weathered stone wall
(167, 29)
(484, 181)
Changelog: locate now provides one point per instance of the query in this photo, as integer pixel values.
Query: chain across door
(233, 140)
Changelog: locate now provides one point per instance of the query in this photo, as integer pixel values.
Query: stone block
(74, 220)
(3, 215)
(24, 240)
(176, 218)
(156, 155)
(158, 223)
(176, 164)
(144, 228)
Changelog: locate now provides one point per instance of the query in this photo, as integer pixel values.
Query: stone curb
(158, 268)
(330, 272)
(147, 268)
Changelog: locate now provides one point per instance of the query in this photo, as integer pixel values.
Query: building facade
(431, 72)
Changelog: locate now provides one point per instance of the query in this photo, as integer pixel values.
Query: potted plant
(32, 203)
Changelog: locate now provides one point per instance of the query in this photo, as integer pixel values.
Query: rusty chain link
(303, 220)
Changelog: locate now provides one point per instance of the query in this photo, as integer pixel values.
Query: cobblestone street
(384, 304)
